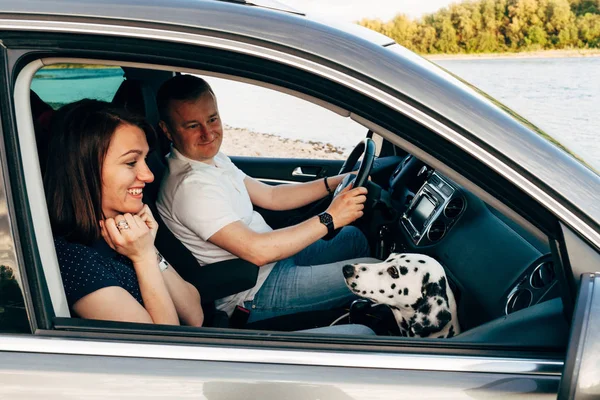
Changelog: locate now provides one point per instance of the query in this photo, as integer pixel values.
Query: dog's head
(414, 284)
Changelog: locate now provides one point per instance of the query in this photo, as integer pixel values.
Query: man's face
(195, 129)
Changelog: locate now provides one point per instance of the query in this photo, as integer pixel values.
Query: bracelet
(162, 263)
(327, 186)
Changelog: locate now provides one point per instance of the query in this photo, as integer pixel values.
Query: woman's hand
(148, 218)
(130, 236)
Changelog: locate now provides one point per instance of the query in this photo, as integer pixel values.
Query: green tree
(498, 25)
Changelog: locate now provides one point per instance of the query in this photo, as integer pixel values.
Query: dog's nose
(348, 270)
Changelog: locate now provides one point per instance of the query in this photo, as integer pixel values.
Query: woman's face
(125, 172)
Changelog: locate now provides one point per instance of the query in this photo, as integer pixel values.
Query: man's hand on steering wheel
(347, 206)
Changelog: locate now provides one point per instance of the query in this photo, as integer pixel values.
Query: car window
(13, 317)
(261, 122)
(61, 84)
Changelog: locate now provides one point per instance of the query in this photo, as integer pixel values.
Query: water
(559, 95)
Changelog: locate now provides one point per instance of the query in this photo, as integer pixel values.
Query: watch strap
(326, 219)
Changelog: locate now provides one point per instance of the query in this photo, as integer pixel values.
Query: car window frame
(429, 343)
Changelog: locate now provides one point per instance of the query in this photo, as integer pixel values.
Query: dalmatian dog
(415, 287)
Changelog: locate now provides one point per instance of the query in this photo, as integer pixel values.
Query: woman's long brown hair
(81, 134)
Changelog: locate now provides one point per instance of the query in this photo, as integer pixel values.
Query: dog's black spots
(394, 307)
(439, 302)
(435, 288)
(407, 260)
(371, 292)
(381, 291)
(356, 291)
(417, 304)
(389, 260)
(407, 305)
(391, 296)
(411, 333)
(393, 286)
(364, 292)
(425, 308)
(380, 272)
(400, 292)
(422, 261)
(426, 321)
(443, 318)
(425, 278)
(356, 277)
(406, 291)
(416, 269)
(403, 270)
(363, 269)
(393, 271)
(403, 255)
(353, 284)
(450, 332)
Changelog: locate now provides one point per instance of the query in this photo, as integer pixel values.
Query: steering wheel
(366, 146)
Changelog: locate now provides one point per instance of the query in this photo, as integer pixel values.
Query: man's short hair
(182, 88)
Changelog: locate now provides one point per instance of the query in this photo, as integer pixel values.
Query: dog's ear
(432, 310)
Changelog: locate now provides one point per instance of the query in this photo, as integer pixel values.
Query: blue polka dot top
(85, 269)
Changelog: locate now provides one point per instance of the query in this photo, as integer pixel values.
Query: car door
(73, 357)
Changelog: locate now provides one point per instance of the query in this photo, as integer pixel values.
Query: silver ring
(122, 225)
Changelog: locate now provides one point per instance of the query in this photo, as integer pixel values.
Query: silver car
(512, 215)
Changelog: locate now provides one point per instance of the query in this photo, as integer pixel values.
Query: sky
(354, 10)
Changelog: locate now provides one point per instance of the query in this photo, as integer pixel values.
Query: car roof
(369, 55)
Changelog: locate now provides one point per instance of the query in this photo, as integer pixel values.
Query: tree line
(489, 26)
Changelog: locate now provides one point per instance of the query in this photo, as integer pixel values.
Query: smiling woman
(104, 232)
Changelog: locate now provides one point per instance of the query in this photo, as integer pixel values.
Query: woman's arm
(185, 297)
(137, 243)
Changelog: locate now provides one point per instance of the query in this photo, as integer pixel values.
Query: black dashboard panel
(486, 259)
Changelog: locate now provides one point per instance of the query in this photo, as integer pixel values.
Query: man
(207, 202)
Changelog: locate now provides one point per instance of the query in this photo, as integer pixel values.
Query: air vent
(436, 231)
(454, 207)
(518, 300)
(542, 275)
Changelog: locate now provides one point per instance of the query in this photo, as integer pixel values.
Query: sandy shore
(243, 142)
(523, 54)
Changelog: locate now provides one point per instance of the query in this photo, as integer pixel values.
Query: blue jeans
(312, 279)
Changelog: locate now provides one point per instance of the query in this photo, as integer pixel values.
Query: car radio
(432, 211)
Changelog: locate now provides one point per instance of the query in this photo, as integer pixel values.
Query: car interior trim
(378, 360)
(428, 121)
(35, 189)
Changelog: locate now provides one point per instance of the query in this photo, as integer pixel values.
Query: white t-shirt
(197, 200)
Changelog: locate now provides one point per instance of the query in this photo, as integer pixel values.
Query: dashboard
(494, 266)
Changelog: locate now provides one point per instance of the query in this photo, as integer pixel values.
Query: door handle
(298, 172)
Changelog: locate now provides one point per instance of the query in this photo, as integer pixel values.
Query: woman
(104, 234)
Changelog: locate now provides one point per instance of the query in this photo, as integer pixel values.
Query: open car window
(502, 282)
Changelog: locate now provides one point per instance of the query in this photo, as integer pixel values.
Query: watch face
(326, 219)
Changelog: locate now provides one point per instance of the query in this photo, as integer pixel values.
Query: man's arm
(264, 248)
(289, 196)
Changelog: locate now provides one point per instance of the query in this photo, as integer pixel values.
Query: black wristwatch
(326, 219)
